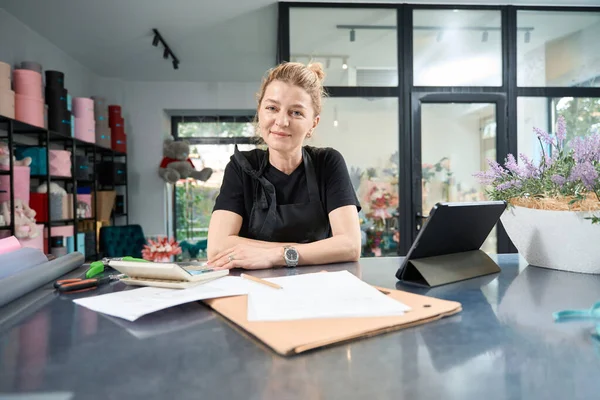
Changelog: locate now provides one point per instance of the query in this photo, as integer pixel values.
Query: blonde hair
(308, 77)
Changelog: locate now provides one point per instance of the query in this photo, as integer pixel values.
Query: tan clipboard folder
(294, 337)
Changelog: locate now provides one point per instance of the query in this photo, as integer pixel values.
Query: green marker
(97, 267)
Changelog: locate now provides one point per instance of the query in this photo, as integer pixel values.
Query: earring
(309, 134)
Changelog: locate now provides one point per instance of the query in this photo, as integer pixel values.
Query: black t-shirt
(333, 180)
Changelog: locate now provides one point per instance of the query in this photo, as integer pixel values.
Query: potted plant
(554, 204)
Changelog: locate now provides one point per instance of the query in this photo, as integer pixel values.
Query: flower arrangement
(429, 171)
(381, 200)
(566, 177)
(161, 249)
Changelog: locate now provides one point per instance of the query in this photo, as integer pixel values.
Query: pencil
(261, 281)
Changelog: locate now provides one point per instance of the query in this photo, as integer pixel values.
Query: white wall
(20, 43)
(147, 124)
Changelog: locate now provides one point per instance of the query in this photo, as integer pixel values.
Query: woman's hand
(248, 257)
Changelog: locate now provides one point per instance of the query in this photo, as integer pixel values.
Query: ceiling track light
(327, 58)
(439, 29)
(167, 50)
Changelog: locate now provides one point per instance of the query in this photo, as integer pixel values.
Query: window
(357, 47)
(582, 116)
(212, 142)
(365, 132)
(457, 48)
(558, 48)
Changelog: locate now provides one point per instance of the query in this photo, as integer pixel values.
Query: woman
(291, 204)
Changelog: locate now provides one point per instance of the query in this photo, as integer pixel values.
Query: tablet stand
(449, 268)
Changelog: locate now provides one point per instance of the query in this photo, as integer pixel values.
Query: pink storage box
(83, 107)
(27, 83)
(60, 163)
(29, 110)
(7, 103)
(21, 183)
(35, 243)
(85, 129)
(4, 71)
(65, 231)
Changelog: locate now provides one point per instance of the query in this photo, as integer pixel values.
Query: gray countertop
(503, 345)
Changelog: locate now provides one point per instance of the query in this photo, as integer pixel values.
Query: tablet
(452, 232)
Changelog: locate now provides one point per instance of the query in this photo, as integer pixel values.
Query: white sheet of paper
(133, 304)
(320, 295)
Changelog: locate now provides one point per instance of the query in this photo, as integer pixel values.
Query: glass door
(454, 136)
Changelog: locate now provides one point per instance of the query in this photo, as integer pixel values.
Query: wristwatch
(290, 255)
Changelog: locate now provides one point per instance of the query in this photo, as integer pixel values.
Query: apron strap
(311, 177)
(268, 188)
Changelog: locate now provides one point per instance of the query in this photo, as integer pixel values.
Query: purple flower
(529, 170)
(511, 165)
(561, 130)
(496, 169)
(504, 186)
(485, 177)
(543, 136)
(586, 149)
(558, 180)
(586, 173)
(508, 184)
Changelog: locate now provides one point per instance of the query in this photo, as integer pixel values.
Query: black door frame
(502, 149)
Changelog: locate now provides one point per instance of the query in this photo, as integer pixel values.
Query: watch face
(291, 254)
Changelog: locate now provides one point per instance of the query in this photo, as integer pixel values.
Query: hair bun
(317, 68)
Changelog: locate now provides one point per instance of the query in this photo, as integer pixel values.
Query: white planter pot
(561, 240)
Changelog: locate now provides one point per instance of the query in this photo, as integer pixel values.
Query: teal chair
(121, 241)
(195, 250)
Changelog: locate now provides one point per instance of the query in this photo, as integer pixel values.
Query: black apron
(289, 223)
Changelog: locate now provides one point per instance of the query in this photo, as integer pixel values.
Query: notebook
(166, 275)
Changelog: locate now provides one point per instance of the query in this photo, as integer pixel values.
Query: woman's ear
(316, 121)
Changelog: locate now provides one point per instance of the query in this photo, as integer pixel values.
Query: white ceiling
(226, 40)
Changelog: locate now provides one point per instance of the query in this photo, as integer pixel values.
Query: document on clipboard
(320, 295)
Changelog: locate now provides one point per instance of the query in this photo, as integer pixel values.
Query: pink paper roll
(21, 184)
(4, 71)
(29, 110)
(83, 107)
(9, 244)
(7, 103)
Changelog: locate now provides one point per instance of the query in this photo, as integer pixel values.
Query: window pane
(582, 116)
(457, 48)
(215, 129)
(357, 47)
(365, 132)
(456, 141)
(194, 200)
(558, 48)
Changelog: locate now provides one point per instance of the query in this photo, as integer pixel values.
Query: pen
(261, 281)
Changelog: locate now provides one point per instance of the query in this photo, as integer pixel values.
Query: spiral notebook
(166, 275)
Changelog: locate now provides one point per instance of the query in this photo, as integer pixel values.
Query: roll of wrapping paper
(20, 284)
(19, 260)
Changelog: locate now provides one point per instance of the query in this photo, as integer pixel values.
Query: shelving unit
(18, 133)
